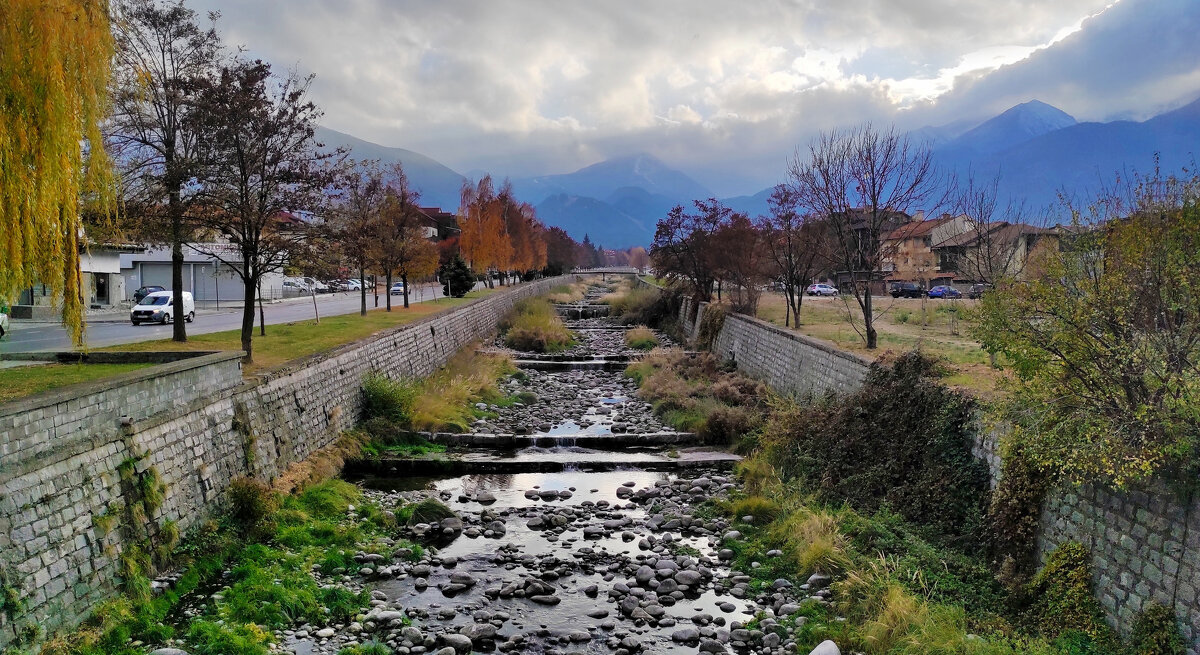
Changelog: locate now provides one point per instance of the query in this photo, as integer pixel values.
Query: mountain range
(1036, 150)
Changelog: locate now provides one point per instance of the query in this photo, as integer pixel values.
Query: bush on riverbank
(534, 326)
(443, 402)
(693, 394)
(902, 441)
(641, 338)
(270, 582)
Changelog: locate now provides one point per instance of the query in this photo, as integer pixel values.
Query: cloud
(722, 90)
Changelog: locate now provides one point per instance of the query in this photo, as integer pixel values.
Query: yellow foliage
(54, 67)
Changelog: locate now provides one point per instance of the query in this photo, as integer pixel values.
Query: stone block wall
(1145, 548)
(787, 361)
(1145, 545)
(196, 424)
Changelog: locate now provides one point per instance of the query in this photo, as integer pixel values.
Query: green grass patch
(288, 341)
(20, 381)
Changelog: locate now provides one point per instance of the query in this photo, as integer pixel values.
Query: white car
(3, 320)
(353, 285)
(822, 290)
(397, 289)
(159, 307)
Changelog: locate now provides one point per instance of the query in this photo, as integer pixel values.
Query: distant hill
(1078, 158)
(608, 177)
(1013, 127)
(439, 185)
(603, 223)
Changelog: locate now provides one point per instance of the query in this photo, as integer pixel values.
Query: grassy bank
(878, 493)
(533, 325)
(692, 393)
(275, 562)
(443, 402)
(20, 381)
(288, 341)
(937, 327)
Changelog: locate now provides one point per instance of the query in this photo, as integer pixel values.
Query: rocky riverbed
(621, 562)
(571, 403)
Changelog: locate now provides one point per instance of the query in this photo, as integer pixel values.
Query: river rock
(826, 647)
(460, 643)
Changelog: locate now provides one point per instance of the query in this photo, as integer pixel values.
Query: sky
(724, 91)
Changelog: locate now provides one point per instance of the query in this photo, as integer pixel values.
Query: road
(115, 329)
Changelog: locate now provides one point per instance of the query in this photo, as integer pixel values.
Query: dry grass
(567, 293)
(937, 327)
(534, 326)
(446, 399)
(288, 341)
(641, 338)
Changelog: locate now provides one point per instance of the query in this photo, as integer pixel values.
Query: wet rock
(712, 646)
(460, 643)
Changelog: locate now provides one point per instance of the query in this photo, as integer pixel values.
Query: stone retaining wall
(195, 425)
(787, 361)
(1145, 545)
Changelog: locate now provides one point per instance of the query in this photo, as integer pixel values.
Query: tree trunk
(388, 281)
(248, 320)
(404, 279)
(178, 328)
(868, 319)
(362, 290)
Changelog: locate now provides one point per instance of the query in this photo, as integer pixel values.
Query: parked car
(295, 285)
(3, 320)
(820, 289)
(976, 291)
(397, 289)
(353, 285)
(943, 291)
(907, 290)
(142, 292)
(315, 285)
(158, 307)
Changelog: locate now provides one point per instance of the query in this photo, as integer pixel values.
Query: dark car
(943, 291)
(142, 292)
(976, 291)
(907, 290)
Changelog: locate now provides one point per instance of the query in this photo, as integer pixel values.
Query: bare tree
(356, 219)
(398, 245)
(994, 233)
(863, 182)
(162, 57)
(685, 246)
(264, 172)
(795, 246)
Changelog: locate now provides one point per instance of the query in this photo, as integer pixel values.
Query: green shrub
(764, 510)
(330, 499)
(1156, 632)
(389, 399)
(429, 510)
(1060, 596)
(710, 326)
(903, 315)
(1014, 515)
(210, 638)
(534, 326)
(903, 440)
(251, 504)
(369, 648)
(641, 338)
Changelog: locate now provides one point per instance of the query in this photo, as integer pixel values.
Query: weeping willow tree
(54, 65)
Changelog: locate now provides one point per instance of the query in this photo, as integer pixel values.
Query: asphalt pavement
(115, 329)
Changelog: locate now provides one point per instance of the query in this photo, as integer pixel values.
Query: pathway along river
(564, 549)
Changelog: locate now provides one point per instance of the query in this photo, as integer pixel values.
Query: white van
(158, 307)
